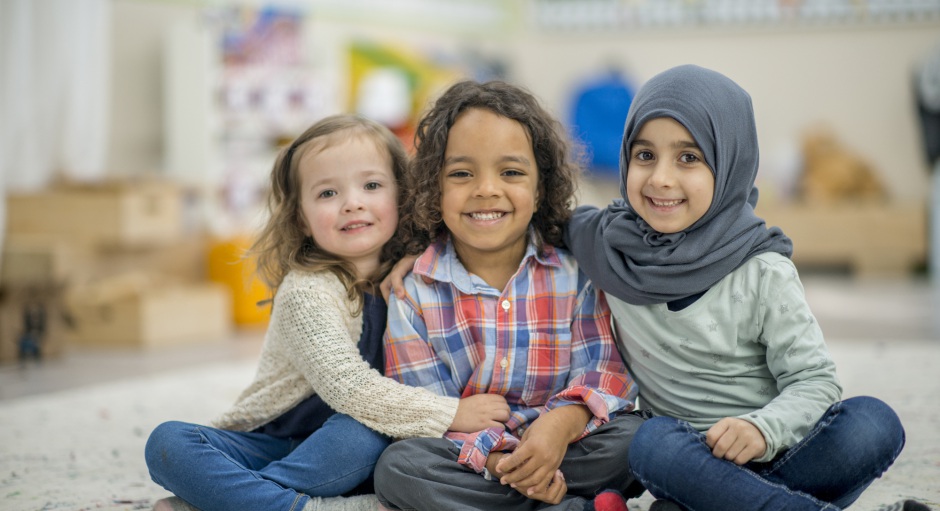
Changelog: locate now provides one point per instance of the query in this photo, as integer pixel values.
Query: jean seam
(297, 499)
(831, 415)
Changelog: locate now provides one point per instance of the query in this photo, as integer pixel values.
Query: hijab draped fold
(624, 256)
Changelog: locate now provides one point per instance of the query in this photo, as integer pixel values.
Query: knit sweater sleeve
(311, 317)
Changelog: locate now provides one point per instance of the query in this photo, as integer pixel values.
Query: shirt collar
(440, 262)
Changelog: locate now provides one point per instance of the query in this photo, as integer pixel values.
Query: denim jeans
(854, 442)
(215, 469)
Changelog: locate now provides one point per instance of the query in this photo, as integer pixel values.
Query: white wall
(138, 35)
(856, 79)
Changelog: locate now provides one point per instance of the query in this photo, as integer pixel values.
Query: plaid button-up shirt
(544, 341)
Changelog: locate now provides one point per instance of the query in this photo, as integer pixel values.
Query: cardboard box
(136, 312)
(123, 214)
(871, 239)
(35, 262)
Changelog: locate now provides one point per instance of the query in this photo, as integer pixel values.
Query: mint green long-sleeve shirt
(748, 348)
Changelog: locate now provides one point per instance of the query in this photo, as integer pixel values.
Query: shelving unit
(637, 15)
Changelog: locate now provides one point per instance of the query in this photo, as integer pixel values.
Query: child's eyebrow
(681, 144)
(522, 160)
(516, 159)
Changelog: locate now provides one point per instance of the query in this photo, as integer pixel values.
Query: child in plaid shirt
(494, 307)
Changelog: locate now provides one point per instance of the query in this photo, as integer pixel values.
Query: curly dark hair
(422, 222)
(283, 245)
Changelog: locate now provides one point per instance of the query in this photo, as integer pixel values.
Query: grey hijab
(624, 256)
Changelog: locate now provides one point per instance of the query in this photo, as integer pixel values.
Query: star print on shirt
(737, 297)
(784, 308)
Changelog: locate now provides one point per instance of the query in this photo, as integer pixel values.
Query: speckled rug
(83, 449)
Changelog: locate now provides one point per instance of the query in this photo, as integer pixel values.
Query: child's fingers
(555, 491)
(509, 463)
(386, 288)
(517, 468)
(715, 432)
(493, 423)
(558, 488)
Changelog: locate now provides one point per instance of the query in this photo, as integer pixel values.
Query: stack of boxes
(105, 265)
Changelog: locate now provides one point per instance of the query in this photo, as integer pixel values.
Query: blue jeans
(215, 469)
(854, 442)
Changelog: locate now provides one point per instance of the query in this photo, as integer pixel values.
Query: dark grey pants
(423, 474)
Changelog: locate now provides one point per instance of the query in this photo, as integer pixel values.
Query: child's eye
(326, 194)
(373, 185)
(689, 158)
(458, 173)
(513, 172)
(643, 155)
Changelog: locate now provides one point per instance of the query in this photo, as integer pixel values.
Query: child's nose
(487, 187)
(663, 176)
(353, 203)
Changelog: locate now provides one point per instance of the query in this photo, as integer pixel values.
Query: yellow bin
(229, 266)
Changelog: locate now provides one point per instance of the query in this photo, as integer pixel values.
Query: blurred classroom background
(136, 138)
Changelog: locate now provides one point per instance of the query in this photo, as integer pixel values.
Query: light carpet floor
(82, 449)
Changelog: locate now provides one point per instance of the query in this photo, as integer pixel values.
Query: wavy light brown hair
(282, 245)
(422, 223)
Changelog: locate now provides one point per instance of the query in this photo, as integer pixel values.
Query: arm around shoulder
(312, 320)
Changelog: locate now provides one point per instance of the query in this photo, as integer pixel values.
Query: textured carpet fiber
(83, 449)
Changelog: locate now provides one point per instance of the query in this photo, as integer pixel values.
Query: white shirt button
(504, 363)
(505, 305)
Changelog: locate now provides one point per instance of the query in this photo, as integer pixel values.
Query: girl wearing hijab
(713, 323)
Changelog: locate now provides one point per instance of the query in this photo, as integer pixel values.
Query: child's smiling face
(489, 186)
(668, 182)
(349, 200)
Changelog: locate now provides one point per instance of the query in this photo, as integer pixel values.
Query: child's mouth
(352, 227)
(665, 203)
(487, 216)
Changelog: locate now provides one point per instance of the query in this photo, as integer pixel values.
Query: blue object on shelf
(598, 115)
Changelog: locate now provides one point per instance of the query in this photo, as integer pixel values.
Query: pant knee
(161, 443)
(882, 425)
(392, 463)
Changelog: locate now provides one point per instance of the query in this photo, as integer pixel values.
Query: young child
(494, 307)
(318, 414)
(712, 320)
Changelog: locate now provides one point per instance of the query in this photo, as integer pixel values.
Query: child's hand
(531, 468)
(479, 412)
(395, 280)
(556, 489)
(735, 440)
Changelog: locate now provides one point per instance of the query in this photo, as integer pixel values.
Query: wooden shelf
(871, 239)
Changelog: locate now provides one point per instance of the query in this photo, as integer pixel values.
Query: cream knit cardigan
(311, 347)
